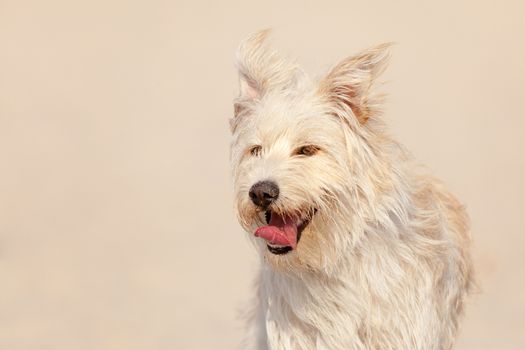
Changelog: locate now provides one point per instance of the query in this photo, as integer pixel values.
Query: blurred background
(116, 221)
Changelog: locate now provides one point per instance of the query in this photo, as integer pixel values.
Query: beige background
(116, 223)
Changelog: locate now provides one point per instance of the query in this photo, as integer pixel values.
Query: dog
(359, 248)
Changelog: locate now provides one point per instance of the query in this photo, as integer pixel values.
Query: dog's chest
(301, 314)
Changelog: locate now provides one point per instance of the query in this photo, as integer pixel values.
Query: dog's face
(288, 156)
(296, 153)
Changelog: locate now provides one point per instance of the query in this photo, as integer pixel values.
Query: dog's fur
(384, 262)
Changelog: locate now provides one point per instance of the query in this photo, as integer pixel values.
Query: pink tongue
(280, 230)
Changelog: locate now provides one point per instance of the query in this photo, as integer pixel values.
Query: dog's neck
(329, 309)
(302, 309)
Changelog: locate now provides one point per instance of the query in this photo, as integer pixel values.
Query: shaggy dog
(359, 248)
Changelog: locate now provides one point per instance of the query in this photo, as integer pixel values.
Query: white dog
(359, 249)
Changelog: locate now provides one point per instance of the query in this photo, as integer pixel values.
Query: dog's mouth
(283, 231)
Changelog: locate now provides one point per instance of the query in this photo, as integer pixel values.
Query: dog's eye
(256, 151)
(308, 150)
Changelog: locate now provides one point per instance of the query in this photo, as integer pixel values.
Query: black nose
(263, 193)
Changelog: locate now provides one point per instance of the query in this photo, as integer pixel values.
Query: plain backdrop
(116, 221)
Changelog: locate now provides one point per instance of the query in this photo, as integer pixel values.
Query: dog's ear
(348, 84)
(260, 69)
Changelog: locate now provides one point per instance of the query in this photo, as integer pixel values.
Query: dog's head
(304, 154)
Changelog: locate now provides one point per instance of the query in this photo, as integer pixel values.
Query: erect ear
(348, 85)
(260, 69)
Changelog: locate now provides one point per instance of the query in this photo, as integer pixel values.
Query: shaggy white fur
(383, 262)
